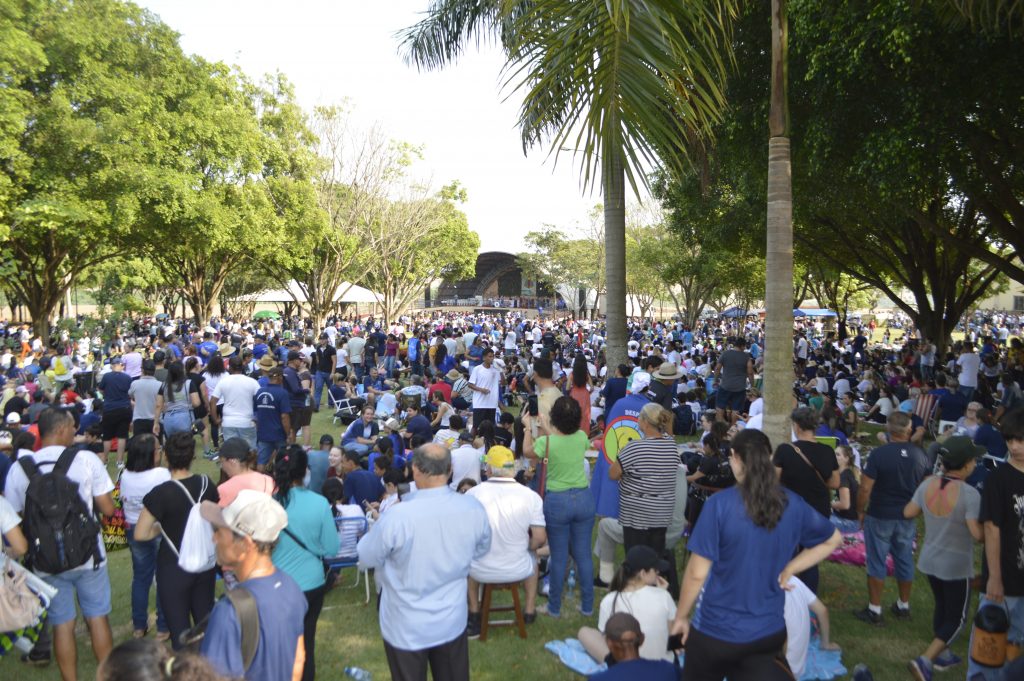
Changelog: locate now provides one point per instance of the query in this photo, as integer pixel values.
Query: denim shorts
(91, 586)
(882, 537)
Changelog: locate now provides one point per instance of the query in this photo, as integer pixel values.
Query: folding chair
(829, 440)
(342, 409)
(926, 408)
(349, 531)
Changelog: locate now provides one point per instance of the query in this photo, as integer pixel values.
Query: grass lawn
(349, 633)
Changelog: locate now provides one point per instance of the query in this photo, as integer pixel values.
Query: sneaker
(35, 659)
(900, 613)
(945, 661)
(866, 615)
(529, 617)
(542, 609)
(545, 587)
(473, 626)
(921, 669)
(584, 612)
(599, 583)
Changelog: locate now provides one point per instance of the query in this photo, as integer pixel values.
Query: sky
(334, 50)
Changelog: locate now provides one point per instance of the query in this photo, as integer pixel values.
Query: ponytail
(289, 468)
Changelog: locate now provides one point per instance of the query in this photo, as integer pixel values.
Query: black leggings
(315, 600)
(952, 605)
(185, 597)
(709, 659)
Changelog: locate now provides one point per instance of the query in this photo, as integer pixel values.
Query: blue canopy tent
(734, 312)
(814, 312)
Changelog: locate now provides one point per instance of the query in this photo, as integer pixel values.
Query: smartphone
(531, 405)
(675, 642)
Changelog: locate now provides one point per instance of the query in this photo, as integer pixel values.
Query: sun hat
(266, 363)
(253, 514)
(453, 374)
(226, 349)
(668, 371)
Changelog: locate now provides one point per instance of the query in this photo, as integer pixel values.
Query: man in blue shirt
(361, 486)
(272, 409)
(418, 424)
(422, 549)
(361, 434)
(245, 535)
(293, 384)
(117, 408)
(207, 348)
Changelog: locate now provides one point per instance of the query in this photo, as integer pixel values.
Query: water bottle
(572, 578)
(358, 673)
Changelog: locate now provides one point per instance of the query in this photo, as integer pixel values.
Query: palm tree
(778, 355)
(621, 84)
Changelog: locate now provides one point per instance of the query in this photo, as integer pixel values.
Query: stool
(486, 609)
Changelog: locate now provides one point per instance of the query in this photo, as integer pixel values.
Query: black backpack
(62, 532)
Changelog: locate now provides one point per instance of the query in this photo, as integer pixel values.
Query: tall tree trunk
(615, 252)
(778, 369)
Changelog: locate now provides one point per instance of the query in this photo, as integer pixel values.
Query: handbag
(302, 545)
(20, 607)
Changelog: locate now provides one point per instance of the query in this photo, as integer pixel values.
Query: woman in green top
(568, 504)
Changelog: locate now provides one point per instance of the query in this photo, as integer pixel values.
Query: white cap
(253, 514)
(14, 417)
(641, 381)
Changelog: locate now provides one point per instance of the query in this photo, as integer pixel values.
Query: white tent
(346, 293)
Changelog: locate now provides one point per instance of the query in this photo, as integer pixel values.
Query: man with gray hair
(516, 516)
(422, 549)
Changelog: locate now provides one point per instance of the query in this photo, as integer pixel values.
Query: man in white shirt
(516, 516)
(236, 392)
(465, 460)
(969, 363)
(484, 381)
(89, 581)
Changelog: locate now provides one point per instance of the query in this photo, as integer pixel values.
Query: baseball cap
(643, 557)
(116, 360)
(14, 417)
(956, 451)
(294, 355)
(234, 448)
(252, 514)
(499, 456)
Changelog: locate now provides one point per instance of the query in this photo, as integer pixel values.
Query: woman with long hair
(844, 507)
(141, 474)
(186, 597)
(197, 381)
(215, 370)
(174, 403)
(740, 632)
(309, 536)
(580, 390)
(568, 503)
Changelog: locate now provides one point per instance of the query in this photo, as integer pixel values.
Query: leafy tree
(416, 241)
(623, 85)
(87, 92)
(576, 261)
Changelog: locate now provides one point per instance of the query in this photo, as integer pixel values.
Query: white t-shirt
(8, 517)
(798, 625)
(135, 486)
(465, 464)
(756, 407)
(653, 608)
(87, 470)
(511, 510)
(968, 363)
(236, 392)
(482, 377)
(510, 340)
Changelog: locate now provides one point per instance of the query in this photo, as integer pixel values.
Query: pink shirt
(248, 480)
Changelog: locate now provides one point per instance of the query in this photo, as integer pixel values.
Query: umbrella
(266, 314)
(162, 315)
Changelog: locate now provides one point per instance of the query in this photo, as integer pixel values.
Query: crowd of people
(475, 450)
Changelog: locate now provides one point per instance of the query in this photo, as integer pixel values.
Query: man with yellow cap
(516, 515)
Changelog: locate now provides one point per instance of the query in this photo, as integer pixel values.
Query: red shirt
(443, 387)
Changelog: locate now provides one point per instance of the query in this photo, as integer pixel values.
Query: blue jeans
(882, 537)
(319, 381)
(976, 672)
(265, 451)
(143, 572)
(569, 516)
(357, 447)
(967, 391)
(247, 434)
(389, 366)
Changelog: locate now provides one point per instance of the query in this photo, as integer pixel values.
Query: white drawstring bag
(197, 552)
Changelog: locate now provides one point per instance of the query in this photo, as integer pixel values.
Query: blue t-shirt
(742, 601)
(897, 469)
(206, 349)
(362, 486)
(115, 386)
(87, 421)
(282, 607)
(414, 349)
(649, 670)
(318, 465)
(990, 438)
(419, 425)
(268, 404)
(309, 519)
